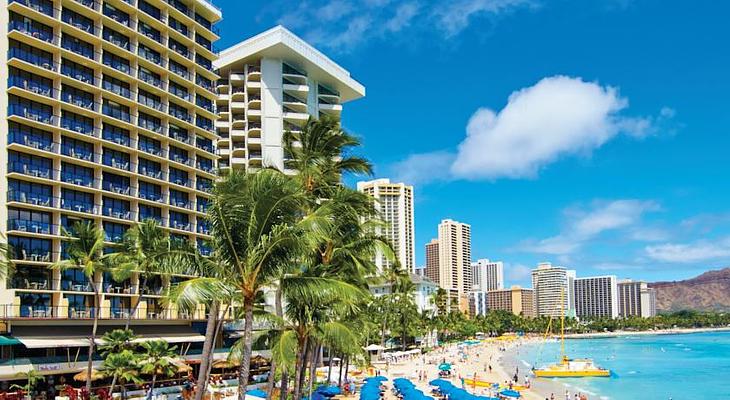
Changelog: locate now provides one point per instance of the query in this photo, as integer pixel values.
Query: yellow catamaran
(567, 367)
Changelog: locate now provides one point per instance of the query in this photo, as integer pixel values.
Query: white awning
(36, 342)
(172, 338)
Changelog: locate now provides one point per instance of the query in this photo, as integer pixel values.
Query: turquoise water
(687, 366)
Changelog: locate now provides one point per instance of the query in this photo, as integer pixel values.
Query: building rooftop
(278, 42)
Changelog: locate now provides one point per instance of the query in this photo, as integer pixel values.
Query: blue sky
(593, 134)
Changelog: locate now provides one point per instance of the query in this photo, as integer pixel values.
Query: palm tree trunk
(244, 369)
(284, 372)
(207, 351)
(111, 387)
(339, 380)
(347, 366)
(92, 339)
(329, 367)
(272, 380)
(136, 304)
(313, 360)
(298, 368)
(152, 386)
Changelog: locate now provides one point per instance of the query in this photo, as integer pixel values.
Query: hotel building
(517, 300)
(551, 284)
(596, 296)
(431, 269)
(422, 294)
(272, 83)
(109, 112)
(394, 204)
(636, 299)
(487, 275)
(454, 262)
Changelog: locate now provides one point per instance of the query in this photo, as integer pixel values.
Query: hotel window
(44, 6)
(204, 82)
(29, 136)
(29, 248)
(180, 112)
(30, 109)
(29, 221)
(150, 191)
(177, 25)
(116, 183)
(116, 208)
(76, 174)
(149, 145)
(116, 134)
(115, 85)
(116, 159)
(203, 21)
(148, 99)
(149, 9)
(116, 110)
(148, 54)
(149, 122)
(203, 42)
(31, 193)
(30, 165)
(203, 62)
(114, 232)
(77, 97)
(77, 123)
(178, 133)
(77, 20)
(179, 91)
(179, 199)
(115, 14)
(77, 46)
(77, 201)
(30, 54)
(31, 82)
(35, 305)
(116, 62)
(179, 221)
(68, 221)
(178, 177)
(150, 168)
(149, 31)
(77, 148)
(33, 28)
(149, 77)
(149, 212)
(77, 71)
(179, 69)
(204, 102)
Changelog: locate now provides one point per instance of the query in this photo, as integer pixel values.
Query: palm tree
(158, 359)
(144, 248)
(32, 377)
(256, 229)
(85, 251)
(117, 341)
(320, 154)
(122, 367)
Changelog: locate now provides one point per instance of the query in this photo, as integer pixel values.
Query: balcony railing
(24, 225)
(80, 206)
(30, 198)
(30, 169)
(36, 143)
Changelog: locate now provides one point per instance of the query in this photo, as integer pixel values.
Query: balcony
(34, 142)
(119, 164)
(30, 198)
(150, 55)
(151, 103)
(150, 149)
(152, 173)
(77, 152)
(43, 61)
(151, 196)
(40, 6)
(181, 114)
(31, 113)
(24, 225)
(181, 203)
(181, 181)
(30, 169)
(79, 206)
(117, 188)
(34, 255)
(116, 137)
(32, 30)
(117, 213)
(181, 159)
(185, 226)
(150, 79)
(79, 101)
(77, 179)
(77, 126)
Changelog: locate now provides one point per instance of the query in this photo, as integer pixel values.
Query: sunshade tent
(374, 347)
(445, 367)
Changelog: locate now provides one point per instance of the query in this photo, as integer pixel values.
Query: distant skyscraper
(432, 260)
(636, 299)
(394, 203)
(455, 275)
(478, 303)
(596, 296)
(487, 275)
(516, 300)
(551, 284)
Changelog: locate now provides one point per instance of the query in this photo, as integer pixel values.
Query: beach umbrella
(329, 391)
(378, 378)
(445, 367)
(439, 382)
(256, 393)
(510, 393)
(95, 375)
(374, 347)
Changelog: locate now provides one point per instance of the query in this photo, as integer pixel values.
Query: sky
(591, 134)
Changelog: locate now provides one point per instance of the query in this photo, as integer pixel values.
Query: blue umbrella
(510, 393)
(329, 391)
(378, 378)
(445, 367)
(257, 393)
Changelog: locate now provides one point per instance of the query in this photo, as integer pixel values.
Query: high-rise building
(431, 269)
(108, 109)
(454, 241)
(394, 204)
(488, 275)
(272, 83)
(636, 299)
(596, 296)
(478, 304)
(516, 300)
(551, 284)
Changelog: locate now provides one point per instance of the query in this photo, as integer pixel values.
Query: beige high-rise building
(636, 299)
(107, 116)
(394, 204)
(487, 275)
(431, 271)
(455, 273)
(551, 284)
(517, 300)
(596, 296)
(272, 83)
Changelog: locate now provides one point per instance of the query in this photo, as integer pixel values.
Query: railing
(31, 30)
(36, 311)
(36, 5)
(77, 153)
(24, 225)
(39, 171)
(35, 255)
(80, 206)
(31, 198)
(25, 140)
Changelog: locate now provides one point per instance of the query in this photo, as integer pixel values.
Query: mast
(562, 324)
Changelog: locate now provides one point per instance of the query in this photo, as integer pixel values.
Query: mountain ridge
(709, 291)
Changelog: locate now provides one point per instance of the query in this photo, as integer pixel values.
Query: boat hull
(571, 374)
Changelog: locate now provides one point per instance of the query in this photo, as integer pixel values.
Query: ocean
(661, 367)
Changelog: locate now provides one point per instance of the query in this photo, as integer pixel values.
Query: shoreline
(674, 331)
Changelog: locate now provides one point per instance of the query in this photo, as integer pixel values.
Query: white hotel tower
(551, 284)
(271, 83)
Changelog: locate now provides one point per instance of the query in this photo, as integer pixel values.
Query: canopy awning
(8, 341)
(53, 337)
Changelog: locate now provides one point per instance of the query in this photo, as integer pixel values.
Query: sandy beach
(477, 360)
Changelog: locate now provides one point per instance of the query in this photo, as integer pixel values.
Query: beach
(499, 354)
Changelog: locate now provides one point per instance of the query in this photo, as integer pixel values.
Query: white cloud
(518, 272)
(455, 17)
(584, 225)
(423, 167)
(699, 251)
(342, 25)
(556, 117)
